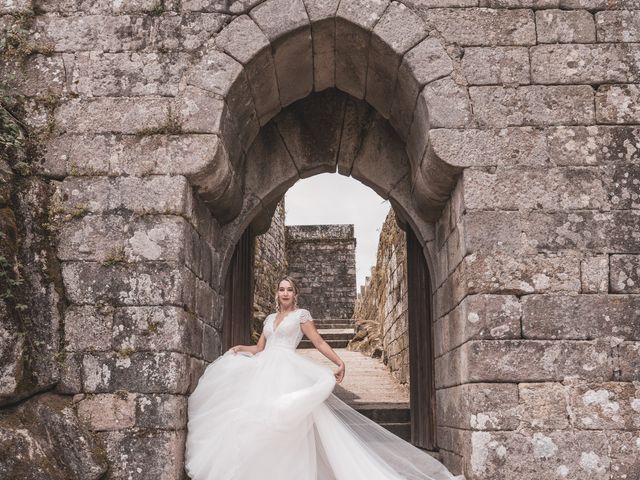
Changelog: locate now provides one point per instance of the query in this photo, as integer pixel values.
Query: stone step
(335, 326)
(338, 334)
(385, 413)
(348, 331)
(334, 321)
(306, 344)
(402, 430)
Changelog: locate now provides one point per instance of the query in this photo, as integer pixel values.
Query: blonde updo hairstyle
(295, 292)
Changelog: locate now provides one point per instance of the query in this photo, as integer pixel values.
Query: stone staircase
(336, 331)
(369, 388)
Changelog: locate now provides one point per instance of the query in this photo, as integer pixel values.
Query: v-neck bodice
(288, 332)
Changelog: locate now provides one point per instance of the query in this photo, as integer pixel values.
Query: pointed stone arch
(266, 60)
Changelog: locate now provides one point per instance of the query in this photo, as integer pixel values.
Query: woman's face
(285, 294)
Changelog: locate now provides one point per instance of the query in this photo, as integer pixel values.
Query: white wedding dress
(273, 416)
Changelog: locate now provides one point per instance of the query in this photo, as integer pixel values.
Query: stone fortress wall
(322, 260)
(505, 132)
(381, 308)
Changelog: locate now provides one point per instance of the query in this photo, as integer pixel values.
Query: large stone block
(311, 130)
(32, 76)
(628, 362)
(605, 406)
(618, 104)
(561, 26)
(536, 455)
(594, 145)
(152, 194)
(476, 148)
(107, 33)
(624, 449)
(201, 111)
(537, 231)
(600, 4)
(594, 274)
(542, 406)
(618, 26)
(42, 439)
(87, 328)
(145, 454)
(478, 317)
(496, 66)
(286, 25)
(128, 74)
(398, 30)
(202, 158)
(323, 33)
(108, 238)
(149, 283)
(594, 64)
(244, 41)
(566, 188)
(484, 26)
(447, 104)
(424, 63)
(268, 158)
(144, 372)
(380, 145)
(161, 410)
(354, 21)
(625, 187)
(114, 115)
(478, 406)
(533, 105)
(219, 74)
(186, 32)
(230, 6)
(165, 328)
(581, 317)
(524, 361)
(211, 343)
(624, 273)
(108, 411)
(521, 274)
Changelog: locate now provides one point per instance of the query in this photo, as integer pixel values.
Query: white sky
(331, 198)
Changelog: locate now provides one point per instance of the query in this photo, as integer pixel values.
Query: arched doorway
(315, 128)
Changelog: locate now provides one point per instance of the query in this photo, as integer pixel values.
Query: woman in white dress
(264, 411)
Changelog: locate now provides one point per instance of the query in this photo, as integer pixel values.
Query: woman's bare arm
(309, 329)
(251, 348)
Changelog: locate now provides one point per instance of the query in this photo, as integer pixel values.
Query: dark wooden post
(421, 362)
(238, 294)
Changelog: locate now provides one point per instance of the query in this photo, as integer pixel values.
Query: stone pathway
(367, 380)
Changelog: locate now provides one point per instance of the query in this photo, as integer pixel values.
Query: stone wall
(270, 264)
(322, 261)
(381, 309)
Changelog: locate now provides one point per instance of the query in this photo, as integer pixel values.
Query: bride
(264, 411)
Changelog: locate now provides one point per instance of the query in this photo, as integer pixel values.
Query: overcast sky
(333, 198)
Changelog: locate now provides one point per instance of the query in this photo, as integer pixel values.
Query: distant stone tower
(322, 259)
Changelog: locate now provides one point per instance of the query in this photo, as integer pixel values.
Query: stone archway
(333, 132)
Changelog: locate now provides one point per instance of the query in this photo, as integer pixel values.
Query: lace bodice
(288, 333)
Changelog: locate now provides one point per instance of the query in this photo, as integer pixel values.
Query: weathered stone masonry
(504, 132)
(322, 260)
(382, 322)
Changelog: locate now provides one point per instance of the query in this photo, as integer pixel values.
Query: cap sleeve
(305, 316)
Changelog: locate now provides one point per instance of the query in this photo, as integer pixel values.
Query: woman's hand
(236, 349)
(339, 374)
